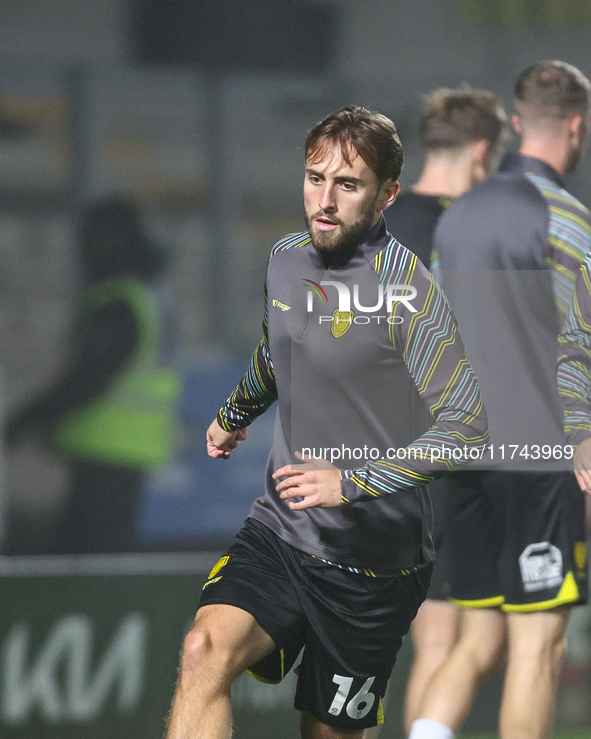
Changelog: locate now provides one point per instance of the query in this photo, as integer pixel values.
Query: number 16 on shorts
(359, 705)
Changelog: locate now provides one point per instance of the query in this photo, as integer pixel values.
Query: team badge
(341, 322)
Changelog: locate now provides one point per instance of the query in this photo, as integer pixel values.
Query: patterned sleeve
(255, 392)
(569, 238)
(436, 359)
(574, 360)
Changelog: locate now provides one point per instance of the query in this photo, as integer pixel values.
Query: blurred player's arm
(574, 375)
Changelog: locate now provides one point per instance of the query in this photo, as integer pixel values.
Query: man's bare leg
(477, 651)
(434, 632)
(223, 642)
(311, 728)
(536, 642)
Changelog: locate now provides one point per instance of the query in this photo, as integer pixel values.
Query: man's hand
(317, 481)
(582, 460)
(220, 443)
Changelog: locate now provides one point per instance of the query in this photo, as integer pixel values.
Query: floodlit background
(198, 109)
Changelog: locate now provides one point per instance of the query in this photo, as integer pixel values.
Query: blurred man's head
(552, 103)
(464, 122)
(353, 161)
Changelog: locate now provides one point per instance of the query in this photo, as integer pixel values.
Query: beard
(338, 245)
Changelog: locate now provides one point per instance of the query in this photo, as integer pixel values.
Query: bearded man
(359, 345)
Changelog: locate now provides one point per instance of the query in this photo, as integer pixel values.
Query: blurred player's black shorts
(516, 540)
(439, 586)
(350, 625)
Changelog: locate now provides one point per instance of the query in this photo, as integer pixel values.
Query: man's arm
(574, 375)
(436, 359)
(255, 392)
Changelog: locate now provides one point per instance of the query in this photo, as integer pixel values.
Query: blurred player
(509, 251)
(335, 561)
(463, 133)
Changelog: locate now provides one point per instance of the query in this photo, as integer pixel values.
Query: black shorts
(516, 540)
(349, 625)
(439, 587)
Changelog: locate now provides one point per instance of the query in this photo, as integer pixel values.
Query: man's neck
(553, 151)
(445, 173)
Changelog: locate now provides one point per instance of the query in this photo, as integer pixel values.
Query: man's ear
(516, 121)
(388, 193)
(479, 150)
(574, 124)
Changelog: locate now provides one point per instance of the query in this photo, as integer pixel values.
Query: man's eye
(349, 186)
(314, 179)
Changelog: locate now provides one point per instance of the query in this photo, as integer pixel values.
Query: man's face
(342, 202)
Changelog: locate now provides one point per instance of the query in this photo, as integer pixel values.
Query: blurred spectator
(111, 414)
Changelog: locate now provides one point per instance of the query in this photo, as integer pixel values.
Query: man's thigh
(531, 634)
(254, 575)
(232, 634)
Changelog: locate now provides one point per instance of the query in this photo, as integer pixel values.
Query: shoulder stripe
(291, 241)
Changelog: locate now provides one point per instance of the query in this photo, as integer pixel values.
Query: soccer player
(463, 133)
(509, 252)
(358, 344)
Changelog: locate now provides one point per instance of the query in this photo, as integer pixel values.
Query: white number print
(359, 705)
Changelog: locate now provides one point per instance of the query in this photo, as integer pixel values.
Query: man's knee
(204, 653)
(559, 653)
(223, 642)
(198, 647)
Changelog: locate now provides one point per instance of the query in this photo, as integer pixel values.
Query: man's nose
(327, 200)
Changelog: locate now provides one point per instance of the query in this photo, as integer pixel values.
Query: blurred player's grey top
(507, 256)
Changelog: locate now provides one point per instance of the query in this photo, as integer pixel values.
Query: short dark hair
(372, 135)
(552, 89)
(454, 118)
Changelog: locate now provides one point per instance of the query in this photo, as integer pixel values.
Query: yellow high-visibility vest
(133, 423)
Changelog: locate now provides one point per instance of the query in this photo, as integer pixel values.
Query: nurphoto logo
(343, 317)
(391, 293)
